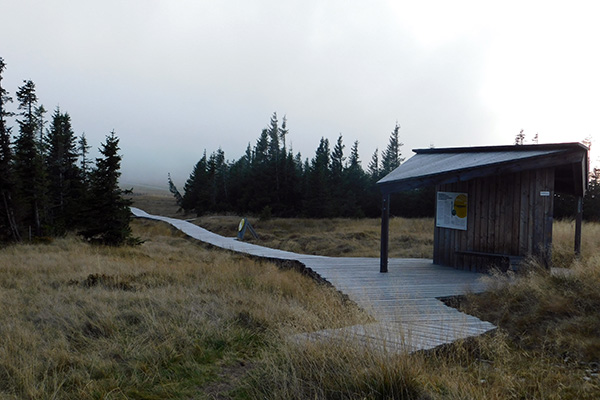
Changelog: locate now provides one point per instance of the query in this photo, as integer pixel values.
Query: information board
(451, 210)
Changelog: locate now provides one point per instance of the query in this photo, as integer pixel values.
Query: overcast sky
(175, 77)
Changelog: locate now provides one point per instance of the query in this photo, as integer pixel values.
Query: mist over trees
(270, 180)
(48, 186)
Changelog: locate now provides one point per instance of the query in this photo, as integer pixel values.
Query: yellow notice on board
(451, 210)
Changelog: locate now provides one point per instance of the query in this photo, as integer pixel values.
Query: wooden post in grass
(385, 230)
(578, 221)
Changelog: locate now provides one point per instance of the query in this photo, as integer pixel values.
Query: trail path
(404, 302)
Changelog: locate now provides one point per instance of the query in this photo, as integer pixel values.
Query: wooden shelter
(494, 205)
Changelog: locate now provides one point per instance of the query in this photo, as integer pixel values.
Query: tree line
(48, 184)
(270, 180)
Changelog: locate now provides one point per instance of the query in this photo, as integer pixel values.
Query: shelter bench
(512, 262)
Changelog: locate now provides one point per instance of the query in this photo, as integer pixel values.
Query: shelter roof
(447, 165)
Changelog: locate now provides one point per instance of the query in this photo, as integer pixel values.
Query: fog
(174, 78)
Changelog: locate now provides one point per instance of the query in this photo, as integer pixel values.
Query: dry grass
(157, 321)
(336, 370)
(338, 237)
(174, 319)
(155, 201)
(563, 235)
(483, 368)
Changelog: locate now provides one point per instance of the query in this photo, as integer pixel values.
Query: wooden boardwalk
(404, 302)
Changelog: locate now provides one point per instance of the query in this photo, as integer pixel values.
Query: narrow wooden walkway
(404, 302)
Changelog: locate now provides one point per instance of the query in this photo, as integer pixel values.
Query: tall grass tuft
(336, 369)
(160, 320)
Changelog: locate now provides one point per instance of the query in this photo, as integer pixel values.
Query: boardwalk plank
(404, 301)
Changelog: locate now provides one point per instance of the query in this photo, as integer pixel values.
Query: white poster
(451, 210)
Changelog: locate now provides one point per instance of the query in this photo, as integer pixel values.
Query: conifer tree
(354, 161)
(195, 195)
(283, 132)
(175, 192)
(520, 138)
(260, 191)
(390, 158)
(273, 146)
(337, 160)
(248, 156)
(83, 150)
(65, 185)
(274, 157)
(337, 185)
(291, 197)
(108, 209)
(30, 173)
(373, 167)
(40, 121)
(318, 197)
(262, 148)
(354, 185)
(8, 224)
(217, 174)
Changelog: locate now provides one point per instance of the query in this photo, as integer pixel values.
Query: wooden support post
(578, 220)
(385, 231)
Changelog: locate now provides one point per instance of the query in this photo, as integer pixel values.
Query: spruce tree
(520, 138)
(354, 161)
(338, 191)
(260, 190)
(195, 190)
(65, 184)
(262, 148)
(40, 121)
(390, 158)
(354, 184)
(373, 167)
(217, 175)
(318, 197)
(274, 166)
(337, 160)
(83, 150)
(175, 192)
(274, 134)
(283, 132)
(8, 224)
(108, 210)
(30, 173)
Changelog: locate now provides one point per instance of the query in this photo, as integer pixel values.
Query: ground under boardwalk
(404, 302)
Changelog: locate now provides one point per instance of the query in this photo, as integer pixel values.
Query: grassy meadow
(173, 318)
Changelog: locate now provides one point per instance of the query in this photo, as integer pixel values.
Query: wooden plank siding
(506, 215)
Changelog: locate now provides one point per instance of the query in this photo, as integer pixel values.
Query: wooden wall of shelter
(506, 215)
(510, 200)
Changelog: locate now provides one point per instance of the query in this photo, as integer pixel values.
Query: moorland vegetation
(173, 318)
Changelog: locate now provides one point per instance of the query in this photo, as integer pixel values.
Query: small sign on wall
(451, 210)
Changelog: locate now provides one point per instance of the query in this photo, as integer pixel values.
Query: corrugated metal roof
(423, 164)
(446, 165)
